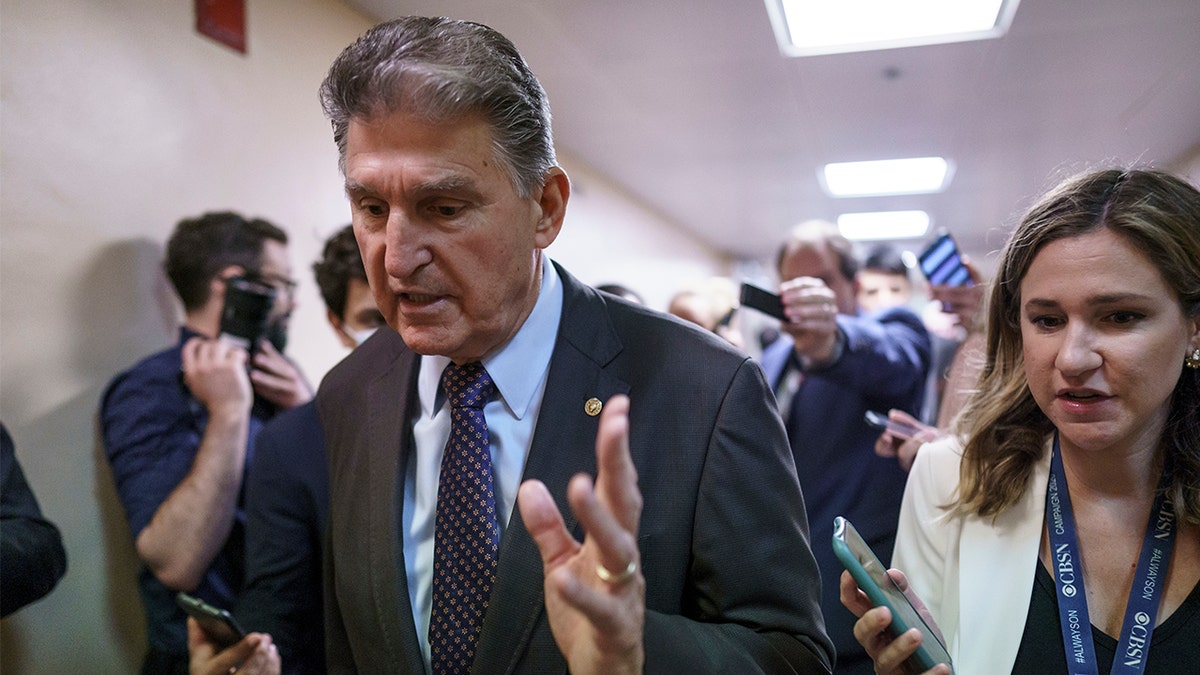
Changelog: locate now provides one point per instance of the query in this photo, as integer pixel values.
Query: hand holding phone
(217, 623)
(883, 422)
(874, 581)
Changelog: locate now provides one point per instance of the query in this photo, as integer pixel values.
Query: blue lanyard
(1133, 647)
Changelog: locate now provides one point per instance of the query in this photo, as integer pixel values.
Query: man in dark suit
(694, 554)
(287, 486)
(831, 365)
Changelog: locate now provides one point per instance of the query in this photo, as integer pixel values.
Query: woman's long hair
(1004, 428)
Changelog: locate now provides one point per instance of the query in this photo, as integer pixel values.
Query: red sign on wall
(223, 21)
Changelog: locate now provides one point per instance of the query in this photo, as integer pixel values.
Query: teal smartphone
(872, 577)
(217, 623)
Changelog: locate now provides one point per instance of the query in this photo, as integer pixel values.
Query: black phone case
(217, 623)
(762, 300)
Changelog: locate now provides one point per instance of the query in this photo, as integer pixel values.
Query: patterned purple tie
(466, 532)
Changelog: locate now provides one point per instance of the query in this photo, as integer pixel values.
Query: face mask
(360, 336)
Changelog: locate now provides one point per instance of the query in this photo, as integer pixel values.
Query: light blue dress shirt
(519, 369)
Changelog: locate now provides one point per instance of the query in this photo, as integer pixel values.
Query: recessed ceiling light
(883, 225)
(811, 27)
(886, 177)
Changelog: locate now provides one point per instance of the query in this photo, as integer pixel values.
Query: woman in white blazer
(1069, 494)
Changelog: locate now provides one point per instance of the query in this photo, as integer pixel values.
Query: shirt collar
(519, 366)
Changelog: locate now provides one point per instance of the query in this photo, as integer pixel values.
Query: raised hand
(277, 379)
(595, 592)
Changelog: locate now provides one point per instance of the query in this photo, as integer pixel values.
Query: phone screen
(881, 589)
(942, 263)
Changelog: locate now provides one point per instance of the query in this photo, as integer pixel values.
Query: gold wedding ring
(609, 577)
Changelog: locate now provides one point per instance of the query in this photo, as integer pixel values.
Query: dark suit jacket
(731, 585)
(287, 504)
(883, 366)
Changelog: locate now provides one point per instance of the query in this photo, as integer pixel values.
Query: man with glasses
(179, 426)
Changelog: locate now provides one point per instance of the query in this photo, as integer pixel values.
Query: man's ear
(552, 206)
(339, 327)
(216, 286)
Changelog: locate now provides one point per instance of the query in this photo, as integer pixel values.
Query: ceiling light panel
(917, 175)
(883, 225)
(812, 27)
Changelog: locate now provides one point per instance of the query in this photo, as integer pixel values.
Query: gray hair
(440, 70)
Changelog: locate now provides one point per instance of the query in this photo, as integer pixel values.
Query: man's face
(360, 318)
(822, 263)
(276, 270)
(451, 251)
(361, 312)
(880, 290)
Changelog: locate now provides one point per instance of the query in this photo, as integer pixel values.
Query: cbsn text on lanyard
(1133, 645)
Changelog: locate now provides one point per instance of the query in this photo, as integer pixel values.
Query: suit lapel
(564, 443)
(391, 398)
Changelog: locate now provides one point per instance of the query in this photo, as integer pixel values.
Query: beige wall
(117, 119)
(1188, 165)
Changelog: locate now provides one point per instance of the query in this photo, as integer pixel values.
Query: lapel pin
(592, 407)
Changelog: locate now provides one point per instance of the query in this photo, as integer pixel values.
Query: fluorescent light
(811, 27)
(883, 225)
(886, 177)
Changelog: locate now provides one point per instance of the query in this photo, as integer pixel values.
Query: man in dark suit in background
(287, 486)
(694, 554)
(831, 366)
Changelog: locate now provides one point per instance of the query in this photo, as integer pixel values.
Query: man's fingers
(197, 639)
(616, 479)
(545, 524)
(206, 658)
(269, 383)
(615, 546)
(605, 613)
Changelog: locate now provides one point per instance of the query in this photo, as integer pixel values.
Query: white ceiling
(691, 108)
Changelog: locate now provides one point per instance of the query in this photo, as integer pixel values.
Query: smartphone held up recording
(879, 587)
(762, 300)
(246, 313)
(941, 263)
(218, 624)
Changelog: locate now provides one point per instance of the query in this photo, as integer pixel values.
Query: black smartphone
(246, 311)
(872, 577)
(941, 263)
(762, 300)
(217, 623)
(882, 421)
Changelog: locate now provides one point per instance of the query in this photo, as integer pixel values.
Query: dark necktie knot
(468, 385)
